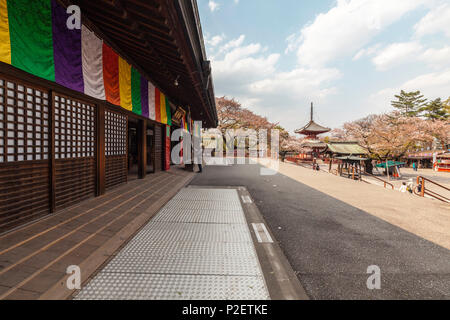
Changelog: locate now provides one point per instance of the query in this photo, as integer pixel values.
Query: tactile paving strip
(167, 231)
(126, 286)
(207, 195)
(222, 205)
(197, 247)
(233, 249)
(184, 264)
(200, 216)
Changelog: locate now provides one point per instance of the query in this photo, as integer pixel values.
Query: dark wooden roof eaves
(314, 144)
(313, 127)
(151, 35)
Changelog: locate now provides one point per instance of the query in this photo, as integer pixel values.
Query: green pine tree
(435, 110)
(447, 107)
(409, 103)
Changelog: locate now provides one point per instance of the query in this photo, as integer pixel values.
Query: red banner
(167, 163)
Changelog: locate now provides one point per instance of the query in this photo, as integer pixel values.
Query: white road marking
(262, 234)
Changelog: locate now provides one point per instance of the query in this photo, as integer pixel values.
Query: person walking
(414, 166)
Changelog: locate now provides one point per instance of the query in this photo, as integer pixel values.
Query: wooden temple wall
(59, 147)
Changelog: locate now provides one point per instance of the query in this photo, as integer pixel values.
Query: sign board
(178, 116)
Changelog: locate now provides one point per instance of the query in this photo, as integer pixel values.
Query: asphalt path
(330, 244)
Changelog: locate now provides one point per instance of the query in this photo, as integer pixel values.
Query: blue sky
(347, 56)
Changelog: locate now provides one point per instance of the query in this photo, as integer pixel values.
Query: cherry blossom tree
(232, 115)
(393, 135)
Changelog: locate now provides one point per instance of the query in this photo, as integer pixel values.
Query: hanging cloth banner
(144, 97)
(163, 108)
(157, 105)
(5, 42)
(151, 102)
(168, 112)
(30, 36)
(185, 123)
(92, 57)
(34, 37)
(136, 91)
(67, 51)
(167, 160)
(125, 84)
(188, 121)
(111, 74)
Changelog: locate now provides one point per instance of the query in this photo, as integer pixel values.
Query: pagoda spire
(312, 129)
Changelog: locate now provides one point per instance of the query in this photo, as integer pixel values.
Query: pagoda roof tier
(314, 144)
(312, 128)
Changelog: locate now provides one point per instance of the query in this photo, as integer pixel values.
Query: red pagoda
(312, 146)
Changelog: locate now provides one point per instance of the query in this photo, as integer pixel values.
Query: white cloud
(242, 65)
(234, 43)
(213, 6)
(298, 82)
(294, 42)
(250, 73)
(215, 40)
(346, 28)
(433, 85)
(436, 21)
(366, 52)
(396, 54)
(436, 58)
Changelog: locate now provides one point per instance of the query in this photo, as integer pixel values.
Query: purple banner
(144, 96)
(66, 50)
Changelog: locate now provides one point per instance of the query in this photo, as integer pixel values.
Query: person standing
(410, 186)
(199, 158)
(198, 153)
(403, 188)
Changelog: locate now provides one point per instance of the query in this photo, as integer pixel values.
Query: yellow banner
(5, 41)
(125, 84)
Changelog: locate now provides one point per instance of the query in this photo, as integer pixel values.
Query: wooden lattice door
(116, 129)
(75, 141)
(24, 153)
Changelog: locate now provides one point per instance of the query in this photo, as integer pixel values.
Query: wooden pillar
(360, 171)
(100, 149)
(142, 148)
(52, 153)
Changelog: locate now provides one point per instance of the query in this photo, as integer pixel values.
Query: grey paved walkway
(197, 247)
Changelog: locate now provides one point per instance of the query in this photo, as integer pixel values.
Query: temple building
(86, 104)
(312, 146)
